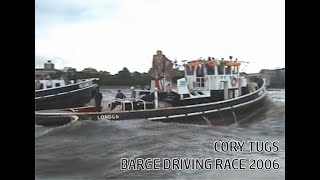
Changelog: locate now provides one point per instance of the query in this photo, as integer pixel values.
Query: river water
(94, 149)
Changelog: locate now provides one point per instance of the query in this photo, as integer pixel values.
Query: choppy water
(93, 150)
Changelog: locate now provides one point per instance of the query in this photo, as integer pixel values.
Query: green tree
(124, 77)
(56, 75)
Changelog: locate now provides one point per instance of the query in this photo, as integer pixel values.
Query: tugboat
(211, 90)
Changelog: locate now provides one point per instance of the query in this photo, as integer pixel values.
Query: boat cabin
(208, 77)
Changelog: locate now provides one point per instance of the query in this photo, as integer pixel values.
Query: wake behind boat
(211, 90)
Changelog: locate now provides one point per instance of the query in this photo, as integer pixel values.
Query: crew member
(97, 99)
(49, 82)
(120, 95)
(37, 84)
(259, 81)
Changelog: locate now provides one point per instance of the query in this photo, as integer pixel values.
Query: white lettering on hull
(108, 117)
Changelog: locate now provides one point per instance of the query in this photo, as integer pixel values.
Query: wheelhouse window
(200, 71)
(220, 69)
(228, 69)
(210, 70)
(235, 69)
(189, 70)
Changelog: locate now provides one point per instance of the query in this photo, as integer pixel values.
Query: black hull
(53, 121)
(73, 95)
(223, 117)
(68, 100)
(218, 113)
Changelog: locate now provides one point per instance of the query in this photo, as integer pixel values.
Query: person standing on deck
(120, 95)
(97, 99)
(259, 81)
(49, 82)
(38, 84)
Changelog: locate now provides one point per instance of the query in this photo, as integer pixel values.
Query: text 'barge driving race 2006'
(211, 90)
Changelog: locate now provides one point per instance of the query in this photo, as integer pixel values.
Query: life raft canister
(233, 63)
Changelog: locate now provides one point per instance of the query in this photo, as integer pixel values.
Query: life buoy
(234, 81)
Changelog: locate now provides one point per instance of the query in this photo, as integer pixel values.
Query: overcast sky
(111, 34)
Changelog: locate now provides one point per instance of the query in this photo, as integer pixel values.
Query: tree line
(122, 78)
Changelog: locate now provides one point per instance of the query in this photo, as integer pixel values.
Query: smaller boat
(56, 94)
